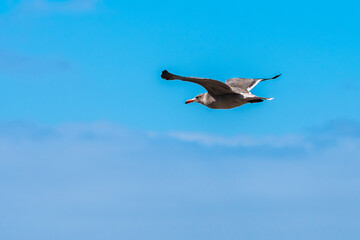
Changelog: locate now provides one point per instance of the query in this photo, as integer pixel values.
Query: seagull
(234, 93)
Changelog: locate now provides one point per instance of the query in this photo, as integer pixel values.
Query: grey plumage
(244, 85)
(234, 93)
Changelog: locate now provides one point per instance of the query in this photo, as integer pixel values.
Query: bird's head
(199, 99)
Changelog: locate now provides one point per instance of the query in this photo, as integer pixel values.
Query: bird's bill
(189, 101)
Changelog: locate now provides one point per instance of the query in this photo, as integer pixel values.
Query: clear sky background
(95, 145)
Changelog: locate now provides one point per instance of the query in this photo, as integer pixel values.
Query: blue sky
(94, 144)
(62, 62)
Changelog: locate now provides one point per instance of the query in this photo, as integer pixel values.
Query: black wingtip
(166, 75)
(276, 76)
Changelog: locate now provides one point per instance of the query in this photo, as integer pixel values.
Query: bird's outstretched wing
(244, 85)
(213, 87)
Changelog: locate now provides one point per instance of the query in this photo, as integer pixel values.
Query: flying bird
(234, 93)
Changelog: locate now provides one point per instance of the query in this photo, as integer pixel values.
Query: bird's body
(234, 93)
(225, 101)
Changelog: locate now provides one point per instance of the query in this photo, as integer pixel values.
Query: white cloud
(101, 176)
(330, 142)
(242, 140)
